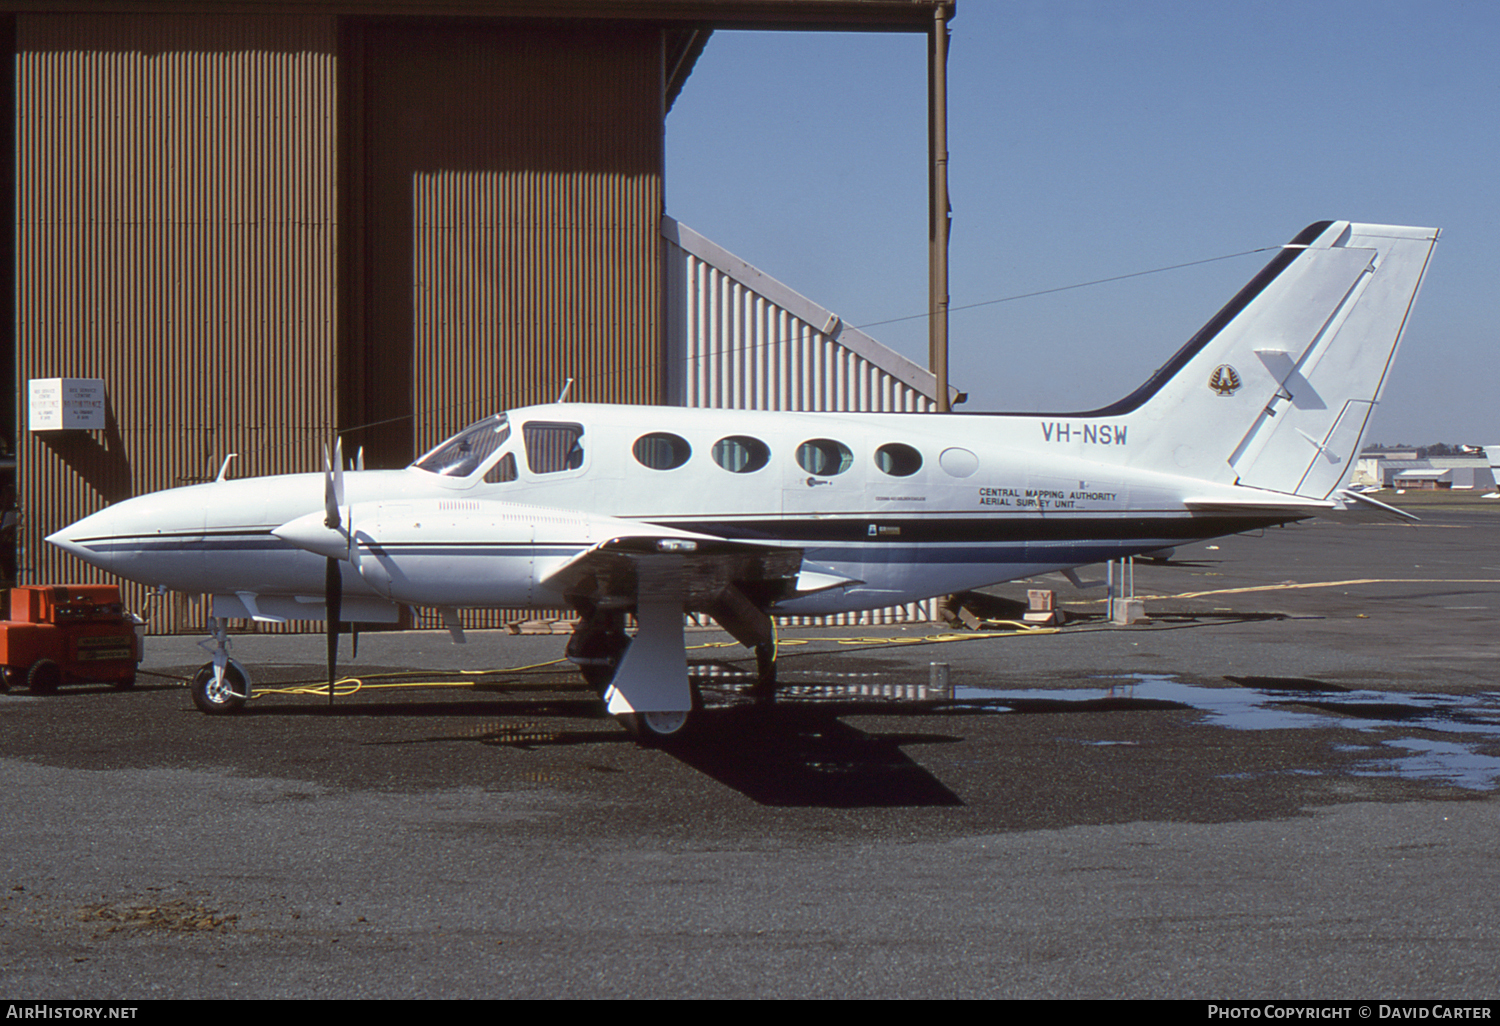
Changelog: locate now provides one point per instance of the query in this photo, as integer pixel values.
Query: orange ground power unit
(56, 634)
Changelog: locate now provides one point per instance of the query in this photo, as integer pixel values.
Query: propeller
(333, 577)
(333, 539)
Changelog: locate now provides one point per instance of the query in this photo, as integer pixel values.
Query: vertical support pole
(939, 214)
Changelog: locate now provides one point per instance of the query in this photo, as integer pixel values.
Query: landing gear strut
(764, 688)
(596, 647)
(642, 679)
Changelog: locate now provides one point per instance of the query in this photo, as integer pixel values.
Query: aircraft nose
(122, 537)
(88, 539)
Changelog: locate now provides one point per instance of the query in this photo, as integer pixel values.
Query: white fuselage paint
(994, 498)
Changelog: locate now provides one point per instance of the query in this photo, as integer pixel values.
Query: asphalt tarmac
(1285, 784)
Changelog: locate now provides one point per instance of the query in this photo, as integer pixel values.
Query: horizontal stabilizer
(1360, 508)
(1261, 504)
(1347, 507)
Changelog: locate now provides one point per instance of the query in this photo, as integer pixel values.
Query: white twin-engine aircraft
(743, 515)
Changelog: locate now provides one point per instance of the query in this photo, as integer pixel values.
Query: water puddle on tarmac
(1421, 736)
(1462, 724)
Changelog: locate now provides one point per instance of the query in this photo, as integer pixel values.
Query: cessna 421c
(657, 510)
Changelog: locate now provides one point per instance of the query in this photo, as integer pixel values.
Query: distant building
(1467, 471)
(1424, 479)
(1458, 472)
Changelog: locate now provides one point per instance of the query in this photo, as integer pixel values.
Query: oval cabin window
(958, 462)
(898, 460)
(741, 454)
(661, 451)
(824, 457)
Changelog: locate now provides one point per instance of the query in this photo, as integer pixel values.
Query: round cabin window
(661, 451)
(824, 457)
(741, 454)
(898, 460)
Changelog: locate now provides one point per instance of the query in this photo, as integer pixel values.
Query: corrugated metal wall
(175, 236)
(739, 339)
(513, 198)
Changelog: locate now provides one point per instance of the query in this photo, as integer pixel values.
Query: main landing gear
(643, 679)
(596, 647)
(764, 688)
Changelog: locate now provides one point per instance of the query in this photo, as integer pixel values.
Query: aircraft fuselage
(907, 505)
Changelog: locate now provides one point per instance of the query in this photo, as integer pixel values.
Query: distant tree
(1436, 449)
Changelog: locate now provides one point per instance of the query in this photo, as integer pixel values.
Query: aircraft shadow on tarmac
(788, 754)
(806, 755)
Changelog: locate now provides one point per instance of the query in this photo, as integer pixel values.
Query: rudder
(1277, 389)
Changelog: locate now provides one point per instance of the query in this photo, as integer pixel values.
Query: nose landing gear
(221, 686)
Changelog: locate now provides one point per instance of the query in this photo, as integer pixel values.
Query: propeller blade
(333, 590)
(333, 485)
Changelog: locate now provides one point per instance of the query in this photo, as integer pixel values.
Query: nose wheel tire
(222, 697)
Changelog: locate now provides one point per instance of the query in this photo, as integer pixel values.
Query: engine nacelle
(456, 552)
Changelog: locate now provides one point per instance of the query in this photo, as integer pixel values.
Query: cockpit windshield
(462, 454)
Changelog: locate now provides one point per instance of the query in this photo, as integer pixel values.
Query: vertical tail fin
(1277, 389)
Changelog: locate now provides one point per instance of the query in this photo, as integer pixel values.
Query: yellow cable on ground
(351, 685)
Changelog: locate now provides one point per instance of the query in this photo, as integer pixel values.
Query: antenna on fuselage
(563, 395)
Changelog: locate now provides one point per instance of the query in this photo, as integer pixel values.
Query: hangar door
(506, 195)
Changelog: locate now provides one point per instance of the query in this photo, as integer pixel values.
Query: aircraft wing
(661, 575)
(697, 569)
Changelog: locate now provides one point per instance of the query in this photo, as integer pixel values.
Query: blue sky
(1091, 139)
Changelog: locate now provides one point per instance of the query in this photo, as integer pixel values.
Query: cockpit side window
(462, 454)
(552, 447)
(504, 470)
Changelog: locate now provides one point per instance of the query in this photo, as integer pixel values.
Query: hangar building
(260, 225)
